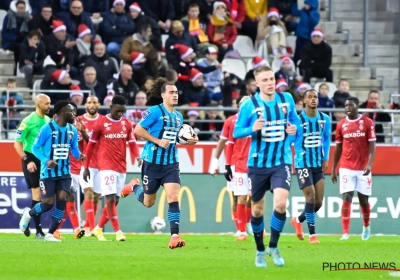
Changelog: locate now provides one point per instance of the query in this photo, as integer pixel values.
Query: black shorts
(50, 186)
(32, 179)
(156, 175)
(309, 176)
(268, 179)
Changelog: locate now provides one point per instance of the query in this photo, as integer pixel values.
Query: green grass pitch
(206, 257)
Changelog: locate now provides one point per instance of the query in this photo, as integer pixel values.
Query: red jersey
(76, 164)
(355, 136)
(88, 124)
(229, 125)
(111, 137)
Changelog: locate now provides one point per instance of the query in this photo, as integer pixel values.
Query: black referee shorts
(32, 179)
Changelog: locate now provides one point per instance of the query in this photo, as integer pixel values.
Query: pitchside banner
(206, 207)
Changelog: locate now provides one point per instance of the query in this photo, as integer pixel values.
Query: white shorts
(75, 181)
(230, 186)
(111, 182)
(241, 184)
(94, 181)
(354, 180)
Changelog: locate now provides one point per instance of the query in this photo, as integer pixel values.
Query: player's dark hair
(74, 105)
(262, 69)
(60, 105)
(118, 100)
(159, 86)
(307, 91)
(354, 100)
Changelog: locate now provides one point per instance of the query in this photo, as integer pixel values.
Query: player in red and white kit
(111, 133)
(355, 148)
(237, 153)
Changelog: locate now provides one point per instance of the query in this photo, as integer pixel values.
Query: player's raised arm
(44, 133)
(371, 146)
(74, 145)
(243, 127)
(338, 151)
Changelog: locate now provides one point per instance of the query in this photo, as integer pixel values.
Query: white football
(157, 224)
(185, 133)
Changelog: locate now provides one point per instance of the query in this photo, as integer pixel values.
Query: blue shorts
(155, 175)
(309, 176)
(268, 179)
(50, 186)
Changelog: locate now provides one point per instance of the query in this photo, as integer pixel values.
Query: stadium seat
(115, 63)
(250, 64)
(164, 38)
(244, 45)
(19, 73)
(332, 88)
(276, 65)
(291, 42)
(234, 66)
(3, 14)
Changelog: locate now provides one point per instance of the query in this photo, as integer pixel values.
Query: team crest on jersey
(361, 126)
(284, 110)
(124, 128)
(106, 124)
(178, 121)
(322, 126)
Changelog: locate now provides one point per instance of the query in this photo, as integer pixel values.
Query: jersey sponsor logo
(146, 114)
(120, 135)
(357, 134)
(22, 126)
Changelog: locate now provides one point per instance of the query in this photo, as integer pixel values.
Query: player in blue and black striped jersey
(270, 119)
(52, 146)
(160, 126)
(312, 147)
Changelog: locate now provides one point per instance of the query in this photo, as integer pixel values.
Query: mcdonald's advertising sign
(206, 207)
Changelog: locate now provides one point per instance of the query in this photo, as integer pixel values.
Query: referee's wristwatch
(25, 158)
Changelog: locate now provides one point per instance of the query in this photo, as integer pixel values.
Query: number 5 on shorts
(145, 180)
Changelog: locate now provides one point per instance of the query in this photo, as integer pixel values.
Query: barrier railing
(365, 33)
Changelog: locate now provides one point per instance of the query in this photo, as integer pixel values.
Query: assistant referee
(26, 136)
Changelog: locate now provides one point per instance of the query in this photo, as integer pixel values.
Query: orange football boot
(313, 239)
(176, 242)
(128, 188)
(298, 227)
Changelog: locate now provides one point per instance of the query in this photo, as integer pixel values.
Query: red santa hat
(75, 91)
(58, 25)
(109, 97)
(258, 61)
(58, 75)
(83, 30)
(193, 112)
(119, 2)
(303, 85)
(318, 32)
(211, 50)
(135, 6)
(194, 74)
(281, 82)
(136, 57)
(273, 12)
(184, 51)
(286, 58)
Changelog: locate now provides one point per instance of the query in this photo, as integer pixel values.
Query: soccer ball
(157, 224)
(185, 133)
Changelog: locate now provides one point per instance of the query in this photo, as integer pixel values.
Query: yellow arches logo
(220, 204)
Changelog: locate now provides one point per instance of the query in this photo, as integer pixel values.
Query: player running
(270, 119)
(26, 135)
(237, 153)
(355, 148)
(110, 134)
(52, 146)
(312, 146)
(159, 126)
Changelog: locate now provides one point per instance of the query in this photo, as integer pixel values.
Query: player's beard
(92, 111)
(45, 111)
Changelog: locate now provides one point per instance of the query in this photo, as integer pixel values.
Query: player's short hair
(353, 99)
(160, 86)
(74, 105)
(373, 91)
(261, 69)
(60, 105)
(307, 91)
(118, 100)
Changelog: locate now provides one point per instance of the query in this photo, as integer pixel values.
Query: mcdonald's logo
(192, 206)
(220, 204)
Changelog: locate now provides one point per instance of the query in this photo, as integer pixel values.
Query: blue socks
(40, 208)
(139, 193)
(57, 215)
(277, 224)
(174, 216)
(310, 217)
(257, 225)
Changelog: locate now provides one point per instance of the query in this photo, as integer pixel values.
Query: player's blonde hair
(261, 69)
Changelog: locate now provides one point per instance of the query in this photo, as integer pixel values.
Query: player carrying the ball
(160, 126)
(355, 148)
(312, 147)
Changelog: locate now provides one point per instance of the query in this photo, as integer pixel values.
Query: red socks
(113, 215)
(235, 219)
(104, 218)
(62, 220)
(248, 214)
(89, 209)
(346, 211)
(72, 214)
(365, 215)
(241, 217)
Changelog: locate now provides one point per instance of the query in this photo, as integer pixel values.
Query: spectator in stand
(212, 80)
(181, 8)
(237, 11)
(193, 25)
(340, 96)
(256, 62)
(193, 115)
(285, 8)
(299, 103)
(90, 82)
(281, 85)
(135, 115)
(301, 88)
(286, 72)
(195, 92)
(124, 85)
(51, 63)
(43, 22)
(31, 58)
(11, 99)
(100, 61)
(272, 31)
(250, 87)
(140, 42)
(161, 11)
(76, 96)
(60, 80)
(139, 19)
(378, 118)
(83, 44)
(147, 84)
(323, 98)
(76, 16)
(255, 11)
(309, 18)
(116, 27)
(107, 102)
(231, 91)
(338, 116)
(214, 124)
(138, 61)
(220, 30)
(316, 58)
(15, 29)
(96, 8)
